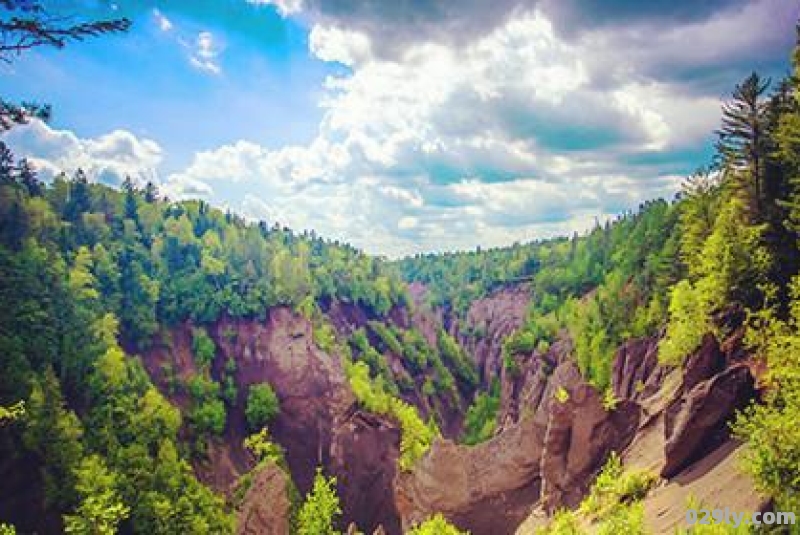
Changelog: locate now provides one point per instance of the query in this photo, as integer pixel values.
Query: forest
(92, 277)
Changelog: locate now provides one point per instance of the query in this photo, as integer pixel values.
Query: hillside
(169, 367)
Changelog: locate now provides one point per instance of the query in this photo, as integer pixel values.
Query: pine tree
(743, 142)
(26, 176)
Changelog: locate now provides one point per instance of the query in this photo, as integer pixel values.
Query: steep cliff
(556, 429)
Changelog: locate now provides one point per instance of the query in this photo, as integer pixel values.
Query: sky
(400, 126)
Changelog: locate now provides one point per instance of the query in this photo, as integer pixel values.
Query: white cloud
(284, 7)
(162, 21)
(449, 147)
(108, 158)
(513, 135)
(334, 44)
(205, 53)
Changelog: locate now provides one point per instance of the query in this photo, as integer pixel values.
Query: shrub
(416, 435)
(563, 523)
(436, 525)
(262, 406)
(481, 418)
(203, 347)
(615, 486)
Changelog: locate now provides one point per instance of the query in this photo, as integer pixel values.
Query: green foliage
(320, 511)
(564, 522)
(416, 434)
(260, 444)
(561, 395)
(55, 435)
(101, 508)
(610, 401)
(732, 264)
(456, 359)
(203, 347)
(770, 429)
(387, 337)
(324, 336)
(436, 525)
(613, 505)
(628, 519)
(262, 406)
(208, 413)
(615, 486)
(690, 319)
(714, 527)
(12, 412)
(481, 418)
(628, 263)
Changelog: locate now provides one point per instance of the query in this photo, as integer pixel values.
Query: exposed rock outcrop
(554, 433)
(267, 507)
(311, 385)
(681, 421)
(580, 435)
(697, 422)
(364, 456)
(489, 321)
(550, 454)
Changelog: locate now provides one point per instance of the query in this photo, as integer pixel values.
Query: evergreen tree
(743, 141)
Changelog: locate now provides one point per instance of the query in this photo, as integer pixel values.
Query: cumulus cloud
(476, 123)
(108, 158)
(520, 133)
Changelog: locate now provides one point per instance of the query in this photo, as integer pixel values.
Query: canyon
(554, 431)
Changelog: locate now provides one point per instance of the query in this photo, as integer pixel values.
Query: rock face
(580, 435)
(310, 384)
(697, 422)
(551, 447)
(489, 321)
(636, 374)
(364, 456)
(267, 507)
(550, 454)
(553, 435)
(447, 409)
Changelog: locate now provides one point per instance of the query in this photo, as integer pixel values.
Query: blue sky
(400, 127)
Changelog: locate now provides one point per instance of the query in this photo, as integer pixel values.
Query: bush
(262, 406)
(563, 523)
(770, 429)
(436, 525)
(203, 347)
(615, 486)
(481, 418)
(208, 417)
(387, 337)
(627, 519)
(416, 434)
